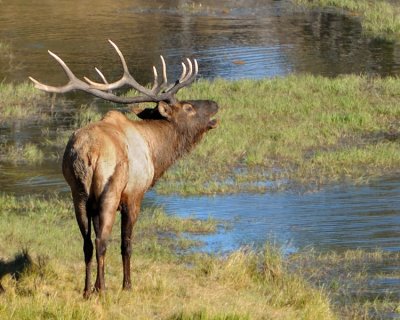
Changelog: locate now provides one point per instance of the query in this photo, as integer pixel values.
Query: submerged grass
(28, 153)
(21, 101)
(353, 279)
(53, 142)
(379, 18)
(167, 285)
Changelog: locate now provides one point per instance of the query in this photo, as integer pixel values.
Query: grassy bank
(166, 285)
(302, 129)
(380, 18)
(299, 130)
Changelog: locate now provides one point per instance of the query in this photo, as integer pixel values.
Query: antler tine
(126, 78)
(121, 56)
(187, 79)
(183, 75)
(73, 83)
(155, 83)
(189, 74)
(101, 75)
(157, 87)
(164, 68)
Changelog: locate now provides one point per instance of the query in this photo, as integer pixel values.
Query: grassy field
(47, 282)
(379, 18)
(297, 131)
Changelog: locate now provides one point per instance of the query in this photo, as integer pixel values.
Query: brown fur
(110, 164)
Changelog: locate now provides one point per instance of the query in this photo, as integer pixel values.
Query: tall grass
(166, 284)
(379, 18)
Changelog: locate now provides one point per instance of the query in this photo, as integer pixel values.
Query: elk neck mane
(168, 142)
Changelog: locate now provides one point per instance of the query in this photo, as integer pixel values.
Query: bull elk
(110, 164)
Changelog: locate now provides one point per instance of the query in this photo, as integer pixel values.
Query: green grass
(379, 18)
(300, 129)
(166, 285)
(20, 155)
(86, 114)
(22, 101)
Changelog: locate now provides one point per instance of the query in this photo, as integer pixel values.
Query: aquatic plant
(28, 153)
(380, 18)
(352, 279)
(21, 101)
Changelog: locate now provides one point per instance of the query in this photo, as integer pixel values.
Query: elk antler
(103, 90)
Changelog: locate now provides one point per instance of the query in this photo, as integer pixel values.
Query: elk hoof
(127, 287)
(86, 294)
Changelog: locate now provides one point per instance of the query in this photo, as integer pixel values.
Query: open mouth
(213, 123)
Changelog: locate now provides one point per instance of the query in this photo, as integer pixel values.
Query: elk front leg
(129, 215)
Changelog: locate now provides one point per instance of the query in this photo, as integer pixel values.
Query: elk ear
(164, 109)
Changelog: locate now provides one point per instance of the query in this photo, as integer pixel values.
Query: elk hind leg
(103, 223)
(84, 221)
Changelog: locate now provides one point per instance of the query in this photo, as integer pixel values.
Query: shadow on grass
(15, 267)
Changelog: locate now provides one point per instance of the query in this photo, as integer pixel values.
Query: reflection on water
(269, 38)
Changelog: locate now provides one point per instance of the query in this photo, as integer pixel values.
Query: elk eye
(188, 108)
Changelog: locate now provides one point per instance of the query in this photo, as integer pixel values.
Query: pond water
(335, 218)
(231, 39)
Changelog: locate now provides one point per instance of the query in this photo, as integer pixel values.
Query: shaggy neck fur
(168, 142)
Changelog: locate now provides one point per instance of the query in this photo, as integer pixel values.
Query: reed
(380, 18)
